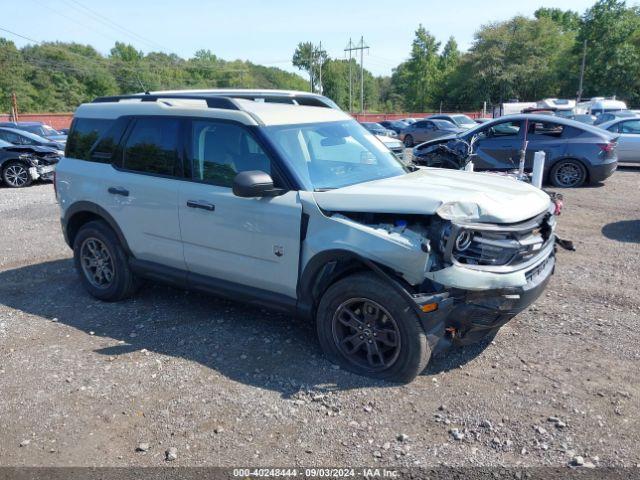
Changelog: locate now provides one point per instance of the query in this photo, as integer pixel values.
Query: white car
(393, 144)
(629, 139)
(301, 209)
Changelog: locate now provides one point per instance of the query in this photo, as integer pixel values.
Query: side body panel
(401, 254)
(629, 148)
(250, 241)
(147, 216)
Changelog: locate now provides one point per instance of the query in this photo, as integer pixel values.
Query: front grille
(511, 246)
(398, 151)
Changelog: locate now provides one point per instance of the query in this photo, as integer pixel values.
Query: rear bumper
(470, 315)
(599, 173)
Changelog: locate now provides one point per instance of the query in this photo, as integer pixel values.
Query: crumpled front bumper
(42, 172)
(468, 315)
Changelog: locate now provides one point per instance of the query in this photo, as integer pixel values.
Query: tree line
(520, 58)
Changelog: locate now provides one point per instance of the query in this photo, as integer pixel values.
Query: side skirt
(213, 286)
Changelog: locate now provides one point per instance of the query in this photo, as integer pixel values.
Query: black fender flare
(326, 267)
(96, 210)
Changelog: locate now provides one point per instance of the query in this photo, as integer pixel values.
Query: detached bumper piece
(42, 172)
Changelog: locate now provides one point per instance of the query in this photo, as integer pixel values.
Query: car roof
(238, 91)
(248, 112)
(617, 120)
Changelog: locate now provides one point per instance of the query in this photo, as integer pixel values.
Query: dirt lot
(84, 382)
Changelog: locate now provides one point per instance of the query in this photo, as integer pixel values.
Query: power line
(113, 25)
(72, 20)
(359, 47)
(21, 36)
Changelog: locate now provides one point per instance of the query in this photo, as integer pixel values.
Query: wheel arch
(82, 212)
(7, 160)
(326, 268)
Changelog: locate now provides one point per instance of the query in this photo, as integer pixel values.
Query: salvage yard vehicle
(395, 125)
(272, 205)
(20, 165)
(393, 144)
(425, 130)
(378, 129)
(628, 139)
(38, 128)
(20, 137)
(460, 120)
(609, 116)
(576, 153)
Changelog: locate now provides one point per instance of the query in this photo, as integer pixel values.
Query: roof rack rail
(213, 101)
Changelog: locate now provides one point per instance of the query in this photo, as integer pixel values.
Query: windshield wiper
(323, 189)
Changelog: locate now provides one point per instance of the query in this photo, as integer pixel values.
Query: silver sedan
(629, 140)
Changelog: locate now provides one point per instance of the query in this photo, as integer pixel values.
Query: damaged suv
(301, 209)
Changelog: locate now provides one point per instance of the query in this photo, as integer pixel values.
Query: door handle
(118, 191)
(201, 205)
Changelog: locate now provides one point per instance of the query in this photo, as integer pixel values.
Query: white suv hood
(453, 194)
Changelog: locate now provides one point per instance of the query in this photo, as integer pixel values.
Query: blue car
(576, 153)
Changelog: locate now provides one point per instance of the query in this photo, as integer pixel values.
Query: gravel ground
(86, 383)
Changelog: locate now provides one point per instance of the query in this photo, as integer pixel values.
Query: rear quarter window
(84, 134)
(547, 129)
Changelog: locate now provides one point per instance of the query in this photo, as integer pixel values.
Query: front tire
(568, 174)
(102, 263)
(367, 328)
(408, 141)
(16, 175)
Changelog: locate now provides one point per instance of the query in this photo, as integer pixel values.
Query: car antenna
(144, 89)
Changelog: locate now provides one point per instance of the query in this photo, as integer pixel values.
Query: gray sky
(264, 32)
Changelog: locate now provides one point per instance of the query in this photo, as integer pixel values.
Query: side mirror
(254, 183)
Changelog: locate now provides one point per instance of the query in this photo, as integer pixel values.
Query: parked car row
(38, 128)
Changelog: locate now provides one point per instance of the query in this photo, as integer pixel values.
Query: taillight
(607, 147)
(558, 206)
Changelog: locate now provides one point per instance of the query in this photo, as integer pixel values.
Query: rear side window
(152, 146)
(630, 126)
(84, 133)
(547, 129)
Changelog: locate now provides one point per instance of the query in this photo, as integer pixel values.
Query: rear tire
(102, 263)
(16, 175)
(568, 174)
(408, 141)
(369, 329)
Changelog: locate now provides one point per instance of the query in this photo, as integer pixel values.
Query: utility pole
(349, 48)
(362, 47)
(584, 61)
(13, 117)
(320, 59)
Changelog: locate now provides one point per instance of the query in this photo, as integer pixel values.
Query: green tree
(420, 74)
(568, 20)
(612, 31)
(310, 58)
(521, 58)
